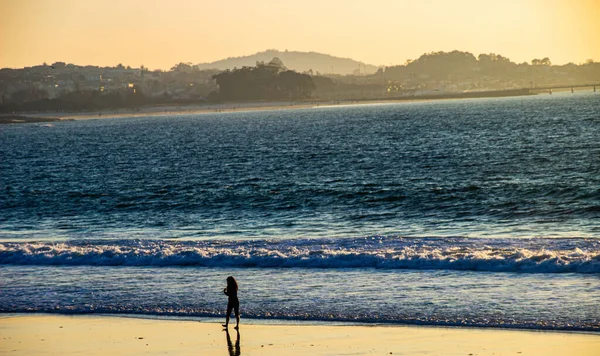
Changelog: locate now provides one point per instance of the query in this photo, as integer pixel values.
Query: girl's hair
(231, 283)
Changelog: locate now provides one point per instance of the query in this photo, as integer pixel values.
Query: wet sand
(36, 334)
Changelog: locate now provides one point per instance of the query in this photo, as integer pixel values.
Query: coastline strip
(211, 108)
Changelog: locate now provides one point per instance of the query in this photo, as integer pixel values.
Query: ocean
(482, 212)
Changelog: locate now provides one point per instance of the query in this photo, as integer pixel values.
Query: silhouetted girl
(233, 303)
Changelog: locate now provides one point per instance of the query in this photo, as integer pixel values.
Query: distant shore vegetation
(67, 87)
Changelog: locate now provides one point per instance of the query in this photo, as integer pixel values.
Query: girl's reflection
(233, 350)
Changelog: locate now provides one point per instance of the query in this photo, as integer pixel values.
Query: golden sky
(161, 33)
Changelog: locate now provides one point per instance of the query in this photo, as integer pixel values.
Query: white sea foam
(527, 256)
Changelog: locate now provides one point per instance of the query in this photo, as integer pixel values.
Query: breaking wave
(489, 255)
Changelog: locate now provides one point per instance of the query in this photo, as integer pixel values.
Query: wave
(198, 313)
(486, 255)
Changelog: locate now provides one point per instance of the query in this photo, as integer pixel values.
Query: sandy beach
(208, 108)
(101, 335)
(174, 110)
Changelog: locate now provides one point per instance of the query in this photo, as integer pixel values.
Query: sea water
(478, 212)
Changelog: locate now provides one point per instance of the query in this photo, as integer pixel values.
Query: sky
(160, 33)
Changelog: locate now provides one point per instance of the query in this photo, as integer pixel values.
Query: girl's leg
(227, 316)
(237, 316)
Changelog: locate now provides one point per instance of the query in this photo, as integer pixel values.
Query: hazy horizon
(384, 32)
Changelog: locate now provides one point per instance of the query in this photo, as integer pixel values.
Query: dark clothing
(230, 293)
(234, 302)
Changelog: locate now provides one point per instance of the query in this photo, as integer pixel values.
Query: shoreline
(121, 335)
(289, 322)
(161, 111)
(215, 108)
(300, 322)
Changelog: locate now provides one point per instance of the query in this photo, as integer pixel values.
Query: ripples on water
(351, 213)
(511, 167)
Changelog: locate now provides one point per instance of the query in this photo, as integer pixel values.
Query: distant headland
(289, 76)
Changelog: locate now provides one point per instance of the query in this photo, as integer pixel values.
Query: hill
(298, 61)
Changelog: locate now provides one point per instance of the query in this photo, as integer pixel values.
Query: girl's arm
(225, 291)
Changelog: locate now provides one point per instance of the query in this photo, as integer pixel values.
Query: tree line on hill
(488, 69)
(265, 81)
